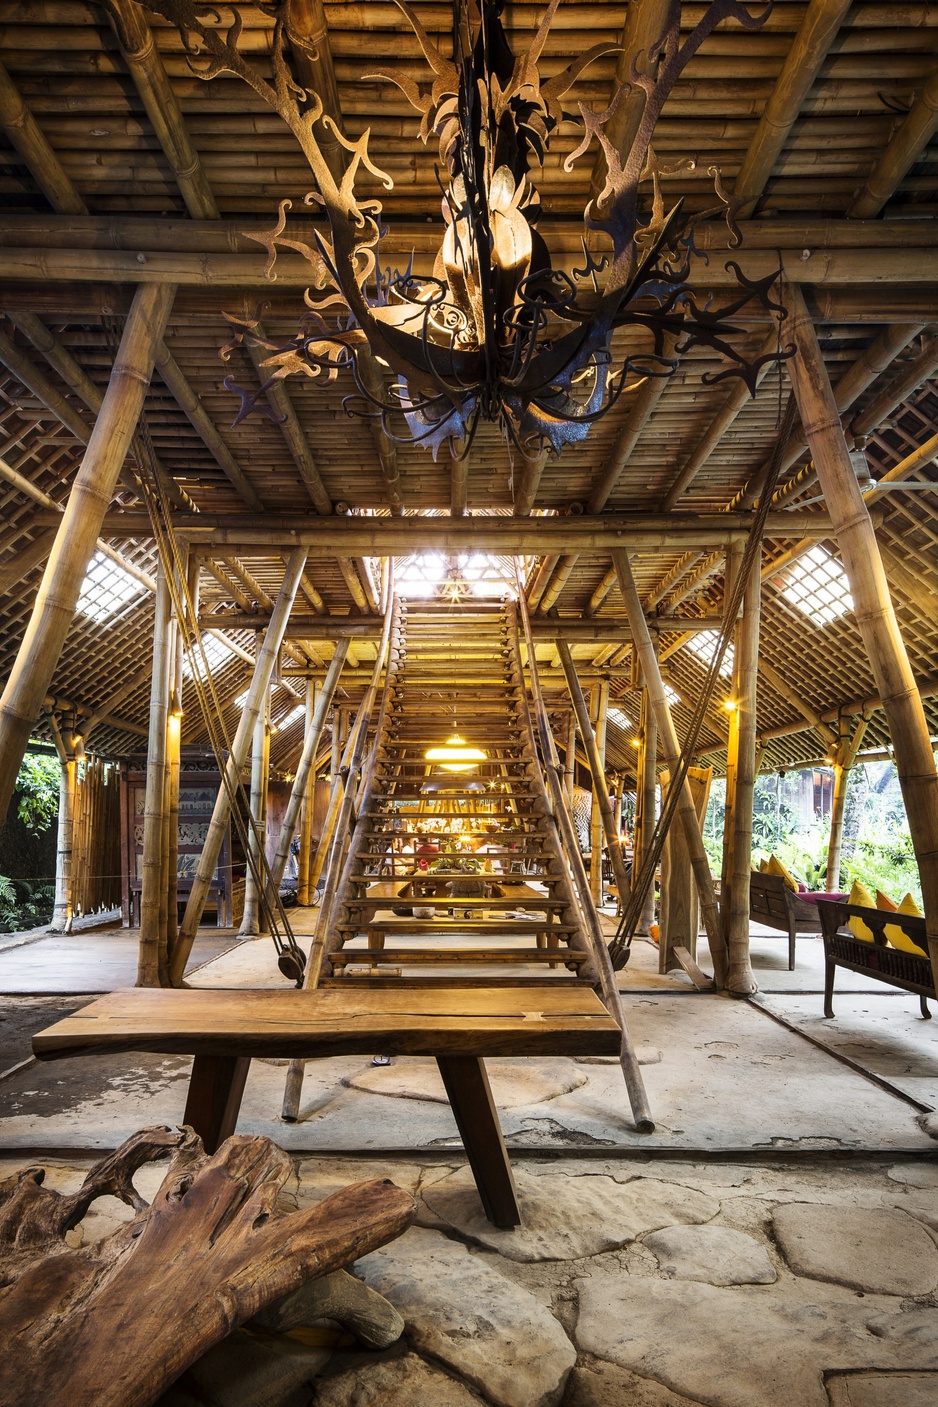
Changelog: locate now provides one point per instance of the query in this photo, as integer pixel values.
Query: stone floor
(774, 1242)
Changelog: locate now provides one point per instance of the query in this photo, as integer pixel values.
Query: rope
(620, 945)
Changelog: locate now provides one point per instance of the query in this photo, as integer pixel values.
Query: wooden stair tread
(455, 956)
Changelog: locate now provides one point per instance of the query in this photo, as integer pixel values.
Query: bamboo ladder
(459, 668)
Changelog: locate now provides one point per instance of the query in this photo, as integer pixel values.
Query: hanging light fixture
(496, 332)
(456, 755)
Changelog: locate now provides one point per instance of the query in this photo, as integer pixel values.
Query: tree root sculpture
(112, 1325)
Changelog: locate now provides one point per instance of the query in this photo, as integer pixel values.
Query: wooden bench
(910, 971)
(223, 1030)
(772, 902)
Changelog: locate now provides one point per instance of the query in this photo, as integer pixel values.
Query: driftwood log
(112, 1325)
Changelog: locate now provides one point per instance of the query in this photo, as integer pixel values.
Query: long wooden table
(459, 1026)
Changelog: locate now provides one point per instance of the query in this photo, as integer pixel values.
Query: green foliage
(877, 847)
(884, 860)
(24, 904)
(38, 787)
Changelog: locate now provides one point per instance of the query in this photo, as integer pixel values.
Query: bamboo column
(733, 561)
(876, 619)
(153, 957)
(64, 909)
(306, 807)
(844, 759)
(602, 821)
(600, 806)
(686, 809)
(260, 767)
(78, 531)
(569, 760)
(739, 979)
(300, 802)
(645, 801)
(263, 669)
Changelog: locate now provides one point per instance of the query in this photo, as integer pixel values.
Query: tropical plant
(37, 786)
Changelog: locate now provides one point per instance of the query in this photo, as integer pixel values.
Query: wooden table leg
(215, 1089)
(467, 1086)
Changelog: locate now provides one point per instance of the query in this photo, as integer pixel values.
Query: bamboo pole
(686, 809)
(77, 534)
(875, 617)
(905, 148)
(25, 134)
(300, 794)
(151, 963)
(600, 700)
(739, 978)
(260, 769)
(733, 561)
(569, 760)
(809, 49)
(844, 760)
(645, 801)
(63, 910)
(263, 669)
(306, 808)
(603, 820)
(158, 95)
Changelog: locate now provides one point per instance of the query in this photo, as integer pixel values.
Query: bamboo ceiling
(101, 190)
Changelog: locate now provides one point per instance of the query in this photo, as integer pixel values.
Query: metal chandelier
(496, 332)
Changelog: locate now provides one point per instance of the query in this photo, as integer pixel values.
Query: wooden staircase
(455, 878)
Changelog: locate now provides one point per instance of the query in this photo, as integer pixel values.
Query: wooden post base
(215, 1089)
(467, 1086)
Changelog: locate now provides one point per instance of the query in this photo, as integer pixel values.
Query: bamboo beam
(781, 686)
(576, 632)
(875, 617)
(738, 398)
(80, 527)
(260, 682)
(93, 397)
(527, 479)
(686, 810)
(600, 700)
(594, 743)
(145, 64)
(153, 953)
(24, 133)
(28, 556)
(413, 234)
(902, 152)
(308, 33)
(201, 422)
(833, 267)
(357, 536)
(810, 47)
(291, 429)
(25, 370)
(645, 399)
(909, 379)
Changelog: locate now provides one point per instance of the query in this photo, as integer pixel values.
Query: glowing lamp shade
(455, 755)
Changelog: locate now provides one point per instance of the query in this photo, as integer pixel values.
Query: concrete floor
(782, 1198)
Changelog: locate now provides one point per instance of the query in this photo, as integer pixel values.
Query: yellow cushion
(894, 934)
(775, 866)
(883, 901)
(763, 865)
(861, 896)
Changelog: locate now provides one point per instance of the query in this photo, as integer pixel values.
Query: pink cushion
(834, 898)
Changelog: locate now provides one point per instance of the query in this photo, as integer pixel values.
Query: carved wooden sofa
(910, 971)
(772, 902)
